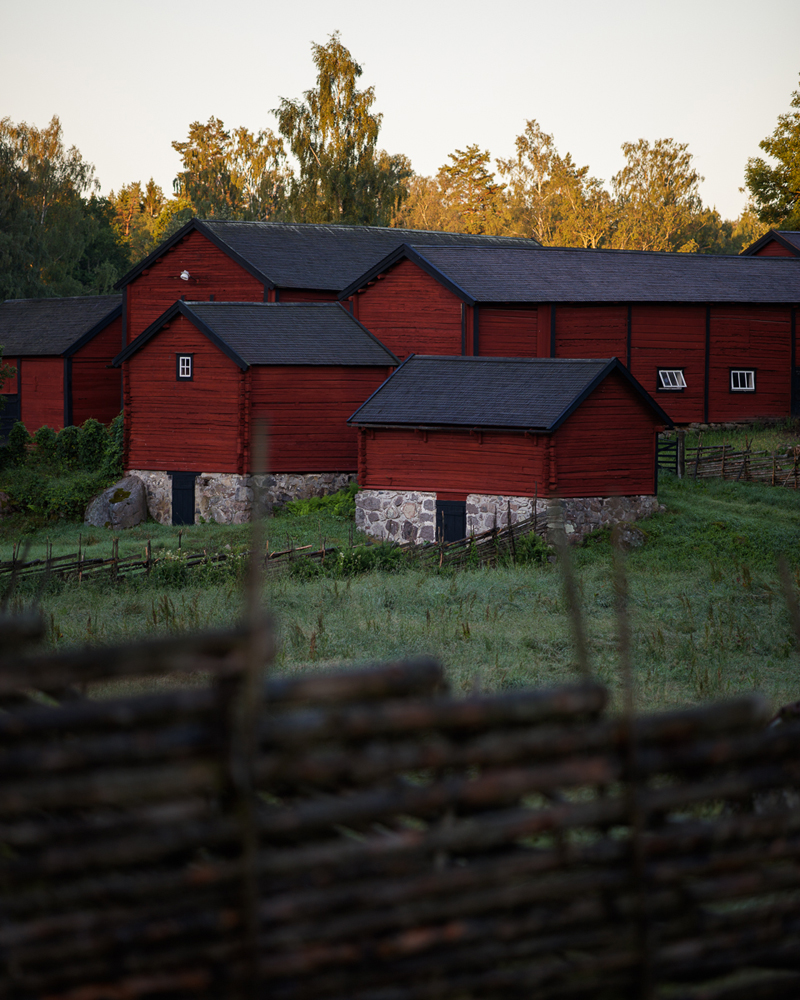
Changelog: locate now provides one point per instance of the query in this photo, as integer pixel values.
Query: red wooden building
(775, 243)
(265, 262)
(449, 431)
(204, 372)
(62, 350)
(714, 337)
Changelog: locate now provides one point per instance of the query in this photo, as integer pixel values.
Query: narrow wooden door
(451, 520)
(183, 497)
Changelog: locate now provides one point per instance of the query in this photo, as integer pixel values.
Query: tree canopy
(775, 190)
(56, 233)
(333, 135)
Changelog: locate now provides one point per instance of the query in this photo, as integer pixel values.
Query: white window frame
(749, 380)
(185, 367)
(671, 380)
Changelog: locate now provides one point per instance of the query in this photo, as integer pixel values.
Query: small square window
(185, 368)
(671, 380)
(743, 380)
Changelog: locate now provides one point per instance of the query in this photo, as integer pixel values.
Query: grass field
(707, 611)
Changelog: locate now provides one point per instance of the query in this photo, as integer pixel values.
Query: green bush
(341, 504)
(531, 549)
(65, 495)
(45, 442)
(18, 442)
(92, 443)
(67, 456)
(112, 459)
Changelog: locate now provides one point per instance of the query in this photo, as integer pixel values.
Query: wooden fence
(366, 835)
(726, 462)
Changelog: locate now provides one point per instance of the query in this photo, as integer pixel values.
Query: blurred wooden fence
(366, 835)
(725, 462)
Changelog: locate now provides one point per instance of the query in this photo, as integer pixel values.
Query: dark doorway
(9, 415)
(183, 497)
(451, 520)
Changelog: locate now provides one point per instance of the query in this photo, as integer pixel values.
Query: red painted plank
(42, 393)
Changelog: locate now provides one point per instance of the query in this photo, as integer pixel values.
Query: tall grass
(707, 613)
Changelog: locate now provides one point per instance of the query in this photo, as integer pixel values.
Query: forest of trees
(58, 236)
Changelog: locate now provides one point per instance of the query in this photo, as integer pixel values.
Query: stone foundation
(227, 498)
(391, 515)
(410, 516)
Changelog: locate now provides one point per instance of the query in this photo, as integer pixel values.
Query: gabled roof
(302, 255)
(559, 274)
(536, 394)
(54, 326)
(788, 239)
(270, 333)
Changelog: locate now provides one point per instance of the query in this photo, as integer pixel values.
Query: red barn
(62, 350)
(204, 372)
(265, 262)
(449, 442)
(775, 243)
(713, 336)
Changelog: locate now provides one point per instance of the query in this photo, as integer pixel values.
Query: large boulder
(122, 505)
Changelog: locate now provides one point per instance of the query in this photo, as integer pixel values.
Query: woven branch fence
(725, 462)
(487, 548)
(365, 835)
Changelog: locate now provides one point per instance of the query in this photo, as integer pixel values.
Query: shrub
(45, 441)
(92, 444)
(341, 504)
(67, 456)
(112, 459)
(18, 442)
(531, 549)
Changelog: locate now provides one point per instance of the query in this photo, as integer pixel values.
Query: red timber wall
(41, 390)
(211, 272)
(505, 332)
(184, 426)
(608, 446)
(96, 388)
(773, 249)
(411, 313)
(671, 336)
(454, 462)
(306, 408)
(754, 337)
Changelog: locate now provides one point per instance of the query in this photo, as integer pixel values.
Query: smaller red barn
(449, 443)
(775, 243)
(204, 373)
(62, 350)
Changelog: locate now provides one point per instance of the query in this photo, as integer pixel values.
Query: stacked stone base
(409, 516)
(228, 498)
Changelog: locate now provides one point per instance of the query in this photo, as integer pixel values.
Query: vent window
(743, 380)
(671, 380)
(185, 367)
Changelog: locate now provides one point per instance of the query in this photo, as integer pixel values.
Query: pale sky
(128, 78)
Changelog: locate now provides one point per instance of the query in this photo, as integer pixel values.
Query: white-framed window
(743, 380)
(184, 370)
(671, 379)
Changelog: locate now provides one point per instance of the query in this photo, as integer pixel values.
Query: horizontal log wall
(454, 462)
(507, 332)
(306, 408)
(96, 387)
(41, 390)
(211, 272)
(190, 426)
(608, 446)
(411, 313)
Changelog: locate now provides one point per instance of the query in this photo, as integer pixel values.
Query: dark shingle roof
(535, 393)
(52, 326)
(508, 274)
(265, 333)
(788, 238)
(314, 256)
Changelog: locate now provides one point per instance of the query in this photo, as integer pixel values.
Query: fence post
(511, 535)
(723, 461)
(680, 453)
(80, 558)
(697, 456)
(148, 557)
